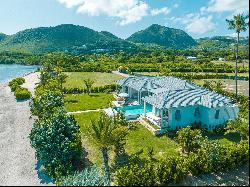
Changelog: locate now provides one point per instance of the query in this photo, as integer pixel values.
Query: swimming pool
(134, 110)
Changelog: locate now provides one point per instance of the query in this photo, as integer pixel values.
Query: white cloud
(71, 3)
(127, 11)
(197, 24)
(176, 5)
(237, 6)
(164, 10)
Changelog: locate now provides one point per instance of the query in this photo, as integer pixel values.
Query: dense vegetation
(163, 36)
(62, 38)
(55, 136)
(82, 40)
(221, 43)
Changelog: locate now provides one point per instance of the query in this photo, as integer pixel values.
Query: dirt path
(17, 158)
(121, 74)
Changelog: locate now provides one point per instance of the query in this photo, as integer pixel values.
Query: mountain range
(80, 39)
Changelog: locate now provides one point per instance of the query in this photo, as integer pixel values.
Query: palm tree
(106, 133)
(238, 23)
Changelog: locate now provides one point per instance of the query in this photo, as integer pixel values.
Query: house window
(178, 115)
(197, 112)
(217, 114)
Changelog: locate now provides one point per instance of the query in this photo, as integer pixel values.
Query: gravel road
(17, 157)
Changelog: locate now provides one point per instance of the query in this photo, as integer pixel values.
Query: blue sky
(199, 18)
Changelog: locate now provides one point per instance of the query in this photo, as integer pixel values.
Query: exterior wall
(225, 114)
(187, 117)
(207, 116)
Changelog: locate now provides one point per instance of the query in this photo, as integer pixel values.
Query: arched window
(217, 114)
(178, 115)
(197, 112)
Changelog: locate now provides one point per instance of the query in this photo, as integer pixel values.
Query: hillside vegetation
(65, 37)
(164, 36)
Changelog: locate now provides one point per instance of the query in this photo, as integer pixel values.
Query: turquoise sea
(8, 72)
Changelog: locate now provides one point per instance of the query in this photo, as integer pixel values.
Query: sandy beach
(17, 157)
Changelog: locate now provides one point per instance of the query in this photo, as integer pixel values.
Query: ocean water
(8, 72)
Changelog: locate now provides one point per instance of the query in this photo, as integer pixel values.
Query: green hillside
(221, 43)
(163, 36)
(65, 37)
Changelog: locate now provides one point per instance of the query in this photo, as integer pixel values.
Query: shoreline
(17, 158)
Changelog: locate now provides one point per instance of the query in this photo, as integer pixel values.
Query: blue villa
(173, 103)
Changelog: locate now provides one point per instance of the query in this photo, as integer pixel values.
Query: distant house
(221, 59)
(191, 58)
(173, 103)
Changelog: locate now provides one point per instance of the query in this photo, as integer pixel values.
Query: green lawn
(75, 79)
(84, 120)
(87, 102)
(139, 138)
(142, 138)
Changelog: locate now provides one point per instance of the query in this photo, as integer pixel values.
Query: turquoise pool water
(134, 110)
(11, 71)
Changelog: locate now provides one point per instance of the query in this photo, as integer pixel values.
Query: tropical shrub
(57, 143)
(47, 104)
(50, 85)
(18, 80)
(170, 170)
(88, 177)
(14, 86)
(16, 83)
(233, 155)
(22, 93)
(189, 139)
(198, 163)
(136, 175)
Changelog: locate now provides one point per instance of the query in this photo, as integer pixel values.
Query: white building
(191, 58)
(172, 103)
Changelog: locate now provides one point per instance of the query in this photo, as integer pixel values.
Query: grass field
(232, 63)
(87, 102)
(75, 79)
(229, 85)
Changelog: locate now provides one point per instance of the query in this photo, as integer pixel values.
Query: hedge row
(19, 92)
(204, 76)
(175, 169)
(100, 89)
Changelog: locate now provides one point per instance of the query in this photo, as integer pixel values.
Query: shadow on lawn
(234, 137)
(71, 101)
(94, 95)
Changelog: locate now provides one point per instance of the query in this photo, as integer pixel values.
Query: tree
(238, 23)
(57, 143)
(45, 105)
(60, 76)
(105, 133)
(88, 83)
(190, 140)
(240, 125)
